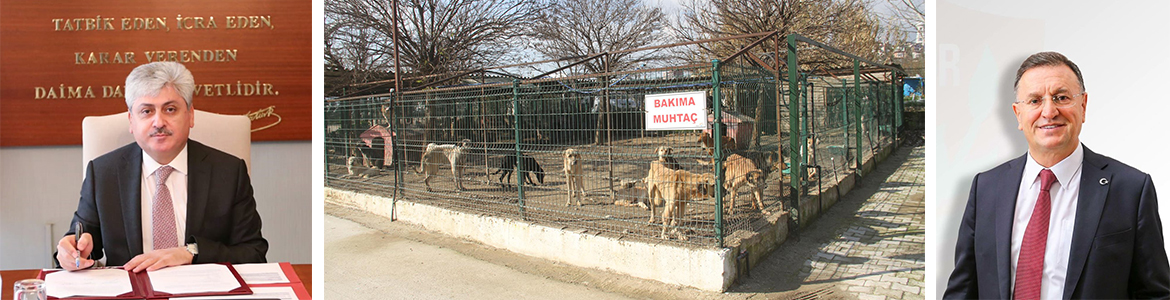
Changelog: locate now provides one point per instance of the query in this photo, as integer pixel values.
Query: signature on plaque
(264, 113)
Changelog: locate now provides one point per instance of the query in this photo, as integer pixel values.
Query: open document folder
(177, 281)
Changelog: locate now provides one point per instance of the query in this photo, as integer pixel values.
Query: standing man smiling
(1061, 221)
(164, 200)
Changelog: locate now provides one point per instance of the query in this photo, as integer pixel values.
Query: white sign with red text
(676, 111)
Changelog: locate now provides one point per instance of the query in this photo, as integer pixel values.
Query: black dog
(527, 164)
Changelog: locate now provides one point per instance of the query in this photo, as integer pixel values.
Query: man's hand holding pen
(73, 251)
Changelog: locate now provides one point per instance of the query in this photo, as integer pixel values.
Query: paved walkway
(880, 254)
(390, 263)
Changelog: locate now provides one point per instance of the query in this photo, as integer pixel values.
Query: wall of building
(40, 186)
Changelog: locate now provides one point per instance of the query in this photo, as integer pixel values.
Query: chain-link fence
(529, 148)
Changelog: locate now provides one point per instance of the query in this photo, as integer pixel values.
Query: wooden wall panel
(36, 51)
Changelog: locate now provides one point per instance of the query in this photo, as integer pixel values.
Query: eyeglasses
(1060, 100)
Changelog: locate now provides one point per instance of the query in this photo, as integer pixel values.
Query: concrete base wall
(885, 152)
(705, 268)
(828, 198)
(817, 202)
(846, 184)
(755, 246)
(808, 210)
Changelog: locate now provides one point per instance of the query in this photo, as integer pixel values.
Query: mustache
(161, 131)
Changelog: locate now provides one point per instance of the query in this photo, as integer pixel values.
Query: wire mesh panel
(451, 141)
(357, 137)
(758, 130)
(843, 106)
(828, 141)
(572, 150)
(592, 129)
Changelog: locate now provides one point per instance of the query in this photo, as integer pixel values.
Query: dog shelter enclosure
(806, 114)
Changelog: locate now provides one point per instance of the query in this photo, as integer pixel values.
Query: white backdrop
(1121, 48)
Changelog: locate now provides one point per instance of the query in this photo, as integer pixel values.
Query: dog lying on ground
(629, 194)
(437, 155)
(574, 175)
(677, 187)
(659, 169)
(709, 143)
(528, 165)
(360, 170)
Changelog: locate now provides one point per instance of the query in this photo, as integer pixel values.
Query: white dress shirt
(1063, 195)
(176, 184)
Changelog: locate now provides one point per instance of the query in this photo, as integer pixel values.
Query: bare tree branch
(845, 24)
(435, 36)
(572, 28)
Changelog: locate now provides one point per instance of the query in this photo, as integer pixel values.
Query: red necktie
(163, 212)
(1030, 267)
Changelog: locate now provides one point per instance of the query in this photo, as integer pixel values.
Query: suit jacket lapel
(1090, 205)
(1005, 210)
(197, 186)
(130, 182)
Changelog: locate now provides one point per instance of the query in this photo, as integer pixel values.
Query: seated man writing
(163, 200)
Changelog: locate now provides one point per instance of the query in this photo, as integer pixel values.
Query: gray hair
(149, 79)
(1049, 58)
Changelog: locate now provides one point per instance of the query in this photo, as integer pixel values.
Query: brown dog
(679, 188)
(811, 160)
(574, 175)
(709, 143)
(739, 170)
(659, 169)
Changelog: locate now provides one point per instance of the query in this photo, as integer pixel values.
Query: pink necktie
(163, 212)
(1030, 267)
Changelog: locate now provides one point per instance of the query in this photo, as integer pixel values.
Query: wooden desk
(304, 271)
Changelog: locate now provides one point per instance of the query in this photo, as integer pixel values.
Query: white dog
(431, 160)
(355, 169)
(574, 176)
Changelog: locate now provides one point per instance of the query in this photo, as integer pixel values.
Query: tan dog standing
(679, 188)
(659, 169)
(574, 175)
(811, 160)
(739, 170)
(438, 155)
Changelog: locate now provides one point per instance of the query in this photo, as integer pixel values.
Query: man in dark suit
(1060, 222)
(164, 200)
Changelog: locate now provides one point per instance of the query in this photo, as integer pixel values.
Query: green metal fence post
(716, 158)
(793, 120)
(516, 142)
(860, 110)
(898, 92)
(805, 127)
(893, 116)
(803, 130)
(845, 119)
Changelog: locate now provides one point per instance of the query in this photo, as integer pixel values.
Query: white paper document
(261, 273)
(280, 292)
(97, 282)
(193, 279)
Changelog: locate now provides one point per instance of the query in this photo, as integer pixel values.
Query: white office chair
(228, 133)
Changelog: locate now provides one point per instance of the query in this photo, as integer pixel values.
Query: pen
(76, 241)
